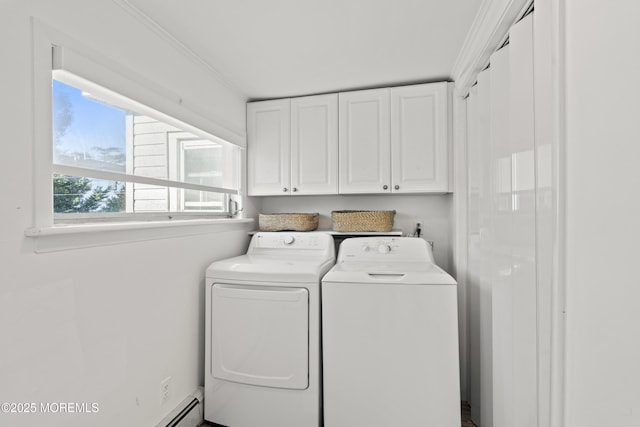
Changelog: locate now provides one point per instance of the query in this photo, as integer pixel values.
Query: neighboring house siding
(159, 150)
(148, 148)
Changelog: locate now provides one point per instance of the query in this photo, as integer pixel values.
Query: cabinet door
(314, 145)
(364, 142)
(268, 147)
(420, 138)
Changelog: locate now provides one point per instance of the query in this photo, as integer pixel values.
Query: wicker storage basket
(362, 220)
(288, 222)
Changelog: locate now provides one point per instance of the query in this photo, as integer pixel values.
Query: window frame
(52, 51)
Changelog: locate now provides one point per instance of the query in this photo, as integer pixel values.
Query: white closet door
(485, 224)
(474, 395)
(501, 244)
(314, 144)
(479, 280)
(522, 133)
(514, 187)
(545, 206)
(365, 164)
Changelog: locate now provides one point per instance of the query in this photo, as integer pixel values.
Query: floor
(466, 416)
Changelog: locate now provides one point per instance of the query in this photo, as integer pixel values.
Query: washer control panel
(377, 245)
(384, 249)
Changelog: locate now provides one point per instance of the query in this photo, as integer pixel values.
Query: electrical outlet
(165, 390)
(419, 228)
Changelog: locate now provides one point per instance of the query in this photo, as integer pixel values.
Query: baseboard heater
(189, 413)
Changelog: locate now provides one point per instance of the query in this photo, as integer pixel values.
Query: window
(118, 157)
(112, 155)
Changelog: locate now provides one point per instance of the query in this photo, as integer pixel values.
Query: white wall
(602, 213)
(105, 324)
(434, 211)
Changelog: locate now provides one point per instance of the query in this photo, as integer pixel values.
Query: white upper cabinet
(390, 140)
(293, 146)
(268, 151)
(314, 144)
(365, 142)
(420, 138)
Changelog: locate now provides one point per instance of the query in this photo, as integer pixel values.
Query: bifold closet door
(501, 231)
(522, 132)
(514, 296)
(479, 260)
(474, 184)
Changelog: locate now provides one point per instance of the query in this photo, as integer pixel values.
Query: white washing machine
(390, 337)
(262, 343)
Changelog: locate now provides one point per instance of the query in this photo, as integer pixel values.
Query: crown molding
(488, 30)
(156, 28)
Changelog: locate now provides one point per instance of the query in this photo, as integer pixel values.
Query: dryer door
(260, 335)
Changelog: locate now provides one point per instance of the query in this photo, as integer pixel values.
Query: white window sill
(75, 236)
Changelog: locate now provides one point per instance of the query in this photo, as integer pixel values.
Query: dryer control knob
(365, 248)
(384, 249)
(288, 240)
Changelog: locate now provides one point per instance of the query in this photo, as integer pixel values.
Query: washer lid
(407, 273)
(271, 268)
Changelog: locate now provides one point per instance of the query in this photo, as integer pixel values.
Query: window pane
(73, 194)
(203, 201)
(87, 133)
(198, 157)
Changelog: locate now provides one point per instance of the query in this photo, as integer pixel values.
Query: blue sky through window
(87, 132)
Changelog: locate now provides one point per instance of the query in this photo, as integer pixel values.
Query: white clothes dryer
(390, 337)
(262, 343)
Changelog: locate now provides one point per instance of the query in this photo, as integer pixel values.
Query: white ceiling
(280, 48)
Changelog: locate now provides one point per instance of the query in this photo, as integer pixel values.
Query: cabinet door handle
(385, 187)
(294, 189)
(397, 187)
(285, 189)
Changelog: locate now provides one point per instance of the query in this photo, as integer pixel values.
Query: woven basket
(288, 222)
(362, 220)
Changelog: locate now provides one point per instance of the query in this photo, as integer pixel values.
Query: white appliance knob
(384, 249)
(365, 248)
(288, 240)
